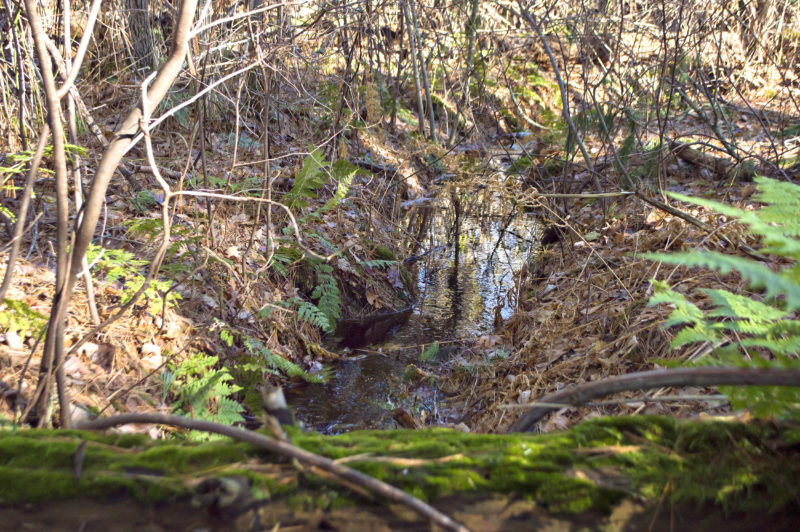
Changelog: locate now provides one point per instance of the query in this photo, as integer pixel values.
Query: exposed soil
(499, 515)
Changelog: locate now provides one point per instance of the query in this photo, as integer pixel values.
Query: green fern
(312, 314)
(276, 363)
(327, 295)
(327, 311)
(380, 264)
(20, 318)
(430, 352)
(743, 331)
(309, 178)
(203, 392)
(343, 172)
(123, 266)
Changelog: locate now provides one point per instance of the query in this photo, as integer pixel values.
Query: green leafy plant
(120, 265)
(327, 309)
(20, 318)
(143, 201)
(380, 264)
(747, 331)
(343, 172)
(429, 355)
(309, 312)
(591, 121)
(203, 391)
(327, 294)
(520, 165)
(276, 364)
(18, 163)
(308, 179)
(185, 239)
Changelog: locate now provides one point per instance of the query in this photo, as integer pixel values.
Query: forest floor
(578, 305)
(372, 220)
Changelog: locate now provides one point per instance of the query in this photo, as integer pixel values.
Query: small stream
(457, 302)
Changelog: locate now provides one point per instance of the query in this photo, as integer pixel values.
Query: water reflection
(460, 291)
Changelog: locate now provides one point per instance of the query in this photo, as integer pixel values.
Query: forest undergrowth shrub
(18, 318)
(12, 175)
(747, 330)
(202, 391)
(252, 367)
(123, 267)
(322, 308)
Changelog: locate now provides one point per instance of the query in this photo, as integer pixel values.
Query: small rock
(524, 397)
(79, 414)
(13, 340)
(149, 348)
(209, 301)
(74, 367)
(152, 362)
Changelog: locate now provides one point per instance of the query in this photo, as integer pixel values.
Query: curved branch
(82, 47)
(645, 380)
(341, 472)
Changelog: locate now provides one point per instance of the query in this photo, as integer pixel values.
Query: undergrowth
(202, 391)
(120, 266)
(747, 331)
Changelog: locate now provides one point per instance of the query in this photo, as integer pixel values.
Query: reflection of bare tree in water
(456, 202)
(457, 291)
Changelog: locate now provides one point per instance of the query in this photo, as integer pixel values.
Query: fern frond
(308, 179)
(730, 305)
(778, 346)
(759, 275)
(763, 331)
(343, 172)
(327, 294)
(313, 315)
(259, 351)
(699, 333)
(685, 311)
(381, 264)
(21, 318)
(777, 222)
(203, 392)
(782, 203)
(290, 369)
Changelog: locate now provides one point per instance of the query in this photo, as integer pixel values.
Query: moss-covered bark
(642, 467)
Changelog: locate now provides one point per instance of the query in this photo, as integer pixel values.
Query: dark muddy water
(458, 300)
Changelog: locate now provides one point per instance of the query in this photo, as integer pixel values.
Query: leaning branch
(342, 473)
(645, 380)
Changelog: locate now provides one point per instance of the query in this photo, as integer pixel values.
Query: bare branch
(341, 472)
(645, 380)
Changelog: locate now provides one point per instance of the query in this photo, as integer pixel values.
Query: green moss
(384, 253)
(182, 459)
(733, 466)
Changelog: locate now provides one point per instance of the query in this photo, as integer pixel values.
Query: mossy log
(609, 473)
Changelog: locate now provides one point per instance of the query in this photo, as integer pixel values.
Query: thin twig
(632, 400)
(342, 473)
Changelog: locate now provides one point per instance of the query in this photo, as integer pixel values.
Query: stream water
(460, 291)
